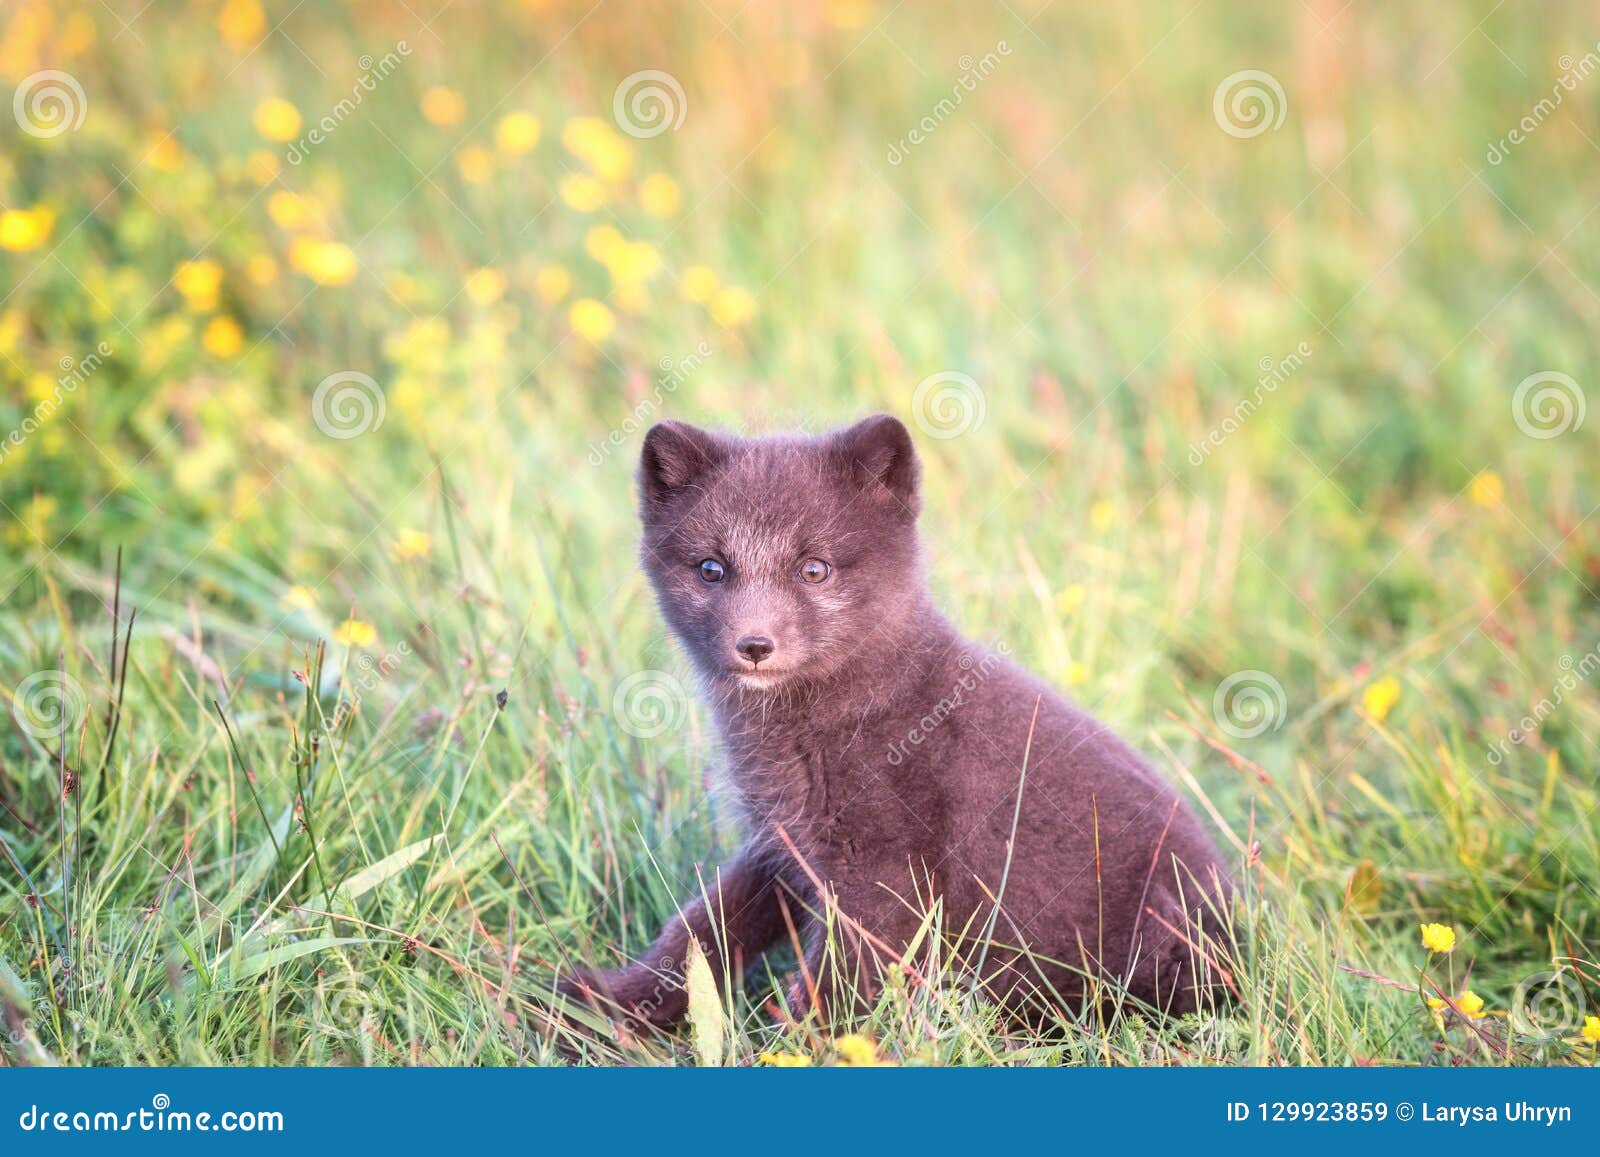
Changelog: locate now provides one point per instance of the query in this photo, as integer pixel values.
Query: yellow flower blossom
(784, 1060)
(1440, 938)
(199, 282)
(25, 229)
(485, 286)
(582, 193)
(262, 167)
(1102, 516)
(732, 306)
(277, 119)
(602, 241)
(290, 210)
(607, 154)
(1070, 598)
(1591, 1029)
(1470, 1003)
(659, 195)
(443, 106)
(855, 1049)
(411, 544)
(699, 283)
(1379, 698)
(475, 164)
(164, 153)
(325, 262)
(222, 338)
(1077, 673)
(261, 269)
(299, 597)
(551, 283)
(516, 133)
(242, 23)
(591, 320)
(633, 263)
(355, 633)
(1486, 488)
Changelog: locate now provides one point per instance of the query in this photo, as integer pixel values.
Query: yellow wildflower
(1440, 938)
(485, 286)
(582, 193)
(325, 262)
(1380, 697)
(355, 633)
(1470, 1003)
(222, 337)
(602, 241)
(25, 229)
(633, 263)
(597, 143)
(731, 306)
(1070, 598)
(299, 597)
(551, 283)
(262, 167)
(443, 106)
(1102, 515)
(411, 544)
(516, 133)
(165, 154)
(784, 1060)
(1077, 673)
(242, 23)
(290, 210)
(855, 1049)
(659, 196)
(1591, 1029)
(277, 119)
(699, 283)
(591, 320)
(475, 164)
(1486, 488)
(199, 283)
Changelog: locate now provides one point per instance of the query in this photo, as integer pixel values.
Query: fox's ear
(675, 455)
(879, 454)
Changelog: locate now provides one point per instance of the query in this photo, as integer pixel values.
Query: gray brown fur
(883, 755)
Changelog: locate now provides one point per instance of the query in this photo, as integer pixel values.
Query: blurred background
(1249, 351)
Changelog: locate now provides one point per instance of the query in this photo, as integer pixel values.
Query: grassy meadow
(1248, 350)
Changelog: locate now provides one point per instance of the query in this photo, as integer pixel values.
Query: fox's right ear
(675, 455)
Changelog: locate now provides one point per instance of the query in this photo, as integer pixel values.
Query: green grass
(1079, 237)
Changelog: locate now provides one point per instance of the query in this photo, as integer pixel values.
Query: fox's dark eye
(814, 570)
(712, 571)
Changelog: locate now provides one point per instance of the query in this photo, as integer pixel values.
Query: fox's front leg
(744, 917)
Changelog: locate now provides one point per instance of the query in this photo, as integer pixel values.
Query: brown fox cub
(878, 756)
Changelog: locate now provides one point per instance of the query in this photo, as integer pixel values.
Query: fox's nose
(755, 647)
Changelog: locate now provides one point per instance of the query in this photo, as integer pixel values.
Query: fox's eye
(712, 571)
(814, 570)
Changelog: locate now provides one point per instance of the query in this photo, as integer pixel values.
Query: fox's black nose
(755, 647)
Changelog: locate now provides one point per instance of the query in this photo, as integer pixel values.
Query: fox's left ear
(879, 454)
